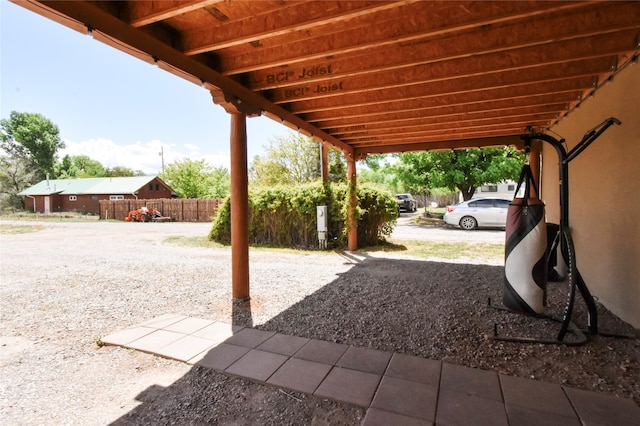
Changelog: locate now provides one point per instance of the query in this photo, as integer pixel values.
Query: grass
(423, 249)
(19, 229)
(445, 250)
(63, 216)
(201, 241)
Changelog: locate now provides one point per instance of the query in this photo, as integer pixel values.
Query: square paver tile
(523, 416)
(377, 417)
(598, 408)
(124, 337)
(283, 344)
(354, 387)
(186, 348)
(220, 357)
(320, 351)
(462, 409)
(537, 395)
(154, 341)
(188, 325)
(257, 365)
(300, 375)
(365, 359)
(218, 331)
(414, 368)
(406, 397)
(471, 381)
(249, 337)
(163, 321)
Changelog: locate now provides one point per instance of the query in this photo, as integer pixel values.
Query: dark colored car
(406, 202)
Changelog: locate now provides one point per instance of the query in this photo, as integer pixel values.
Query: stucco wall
(604, 202)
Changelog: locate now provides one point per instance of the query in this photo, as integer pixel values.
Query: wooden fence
(180, 210)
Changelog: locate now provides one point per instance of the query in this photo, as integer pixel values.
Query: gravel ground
(69, 283)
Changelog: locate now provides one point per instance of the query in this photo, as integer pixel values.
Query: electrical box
(321, 212)
(323, 223)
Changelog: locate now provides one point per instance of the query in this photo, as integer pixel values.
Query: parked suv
(406, 202)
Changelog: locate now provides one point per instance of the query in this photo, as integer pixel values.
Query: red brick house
(84, 195)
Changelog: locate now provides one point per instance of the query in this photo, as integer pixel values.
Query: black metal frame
(564, 240)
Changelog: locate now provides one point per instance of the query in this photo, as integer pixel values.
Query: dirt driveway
(66, 284)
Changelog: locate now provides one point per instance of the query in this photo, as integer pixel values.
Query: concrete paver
(397, 389)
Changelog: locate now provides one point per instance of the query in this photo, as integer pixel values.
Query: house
(504, 189)
(84, 195)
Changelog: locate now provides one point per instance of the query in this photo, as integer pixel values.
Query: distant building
(84, 195)
(504, 189)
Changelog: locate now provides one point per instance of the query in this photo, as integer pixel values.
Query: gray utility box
(321, 214)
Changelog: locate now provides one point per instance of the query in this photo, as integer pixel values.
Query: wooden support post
(239, 208)
(239, 112)
(352, 236)
(324, 162)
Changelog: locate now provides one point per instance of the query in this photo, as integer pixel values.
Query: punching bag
(525, 266)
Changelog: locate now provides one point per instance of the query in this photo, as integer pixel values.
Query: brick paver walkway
(396, 389)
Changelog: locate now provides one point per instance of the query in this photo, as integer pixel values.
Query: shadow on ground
(429, 309)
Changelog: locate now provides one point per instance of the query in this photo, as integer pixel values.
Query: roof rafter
(390, 29)
(99, 20)
(145, 13)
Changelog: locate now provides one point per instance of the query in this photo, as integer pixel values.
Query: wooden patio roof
(378, 76)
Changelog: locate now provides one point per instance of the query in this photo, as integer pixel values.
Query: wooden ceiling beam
(512, 60)
(141, 13)
(411, 25)
(389, 86)
(417, 126)
(439, 145)
(477, 101)
(128, 37)
(284, 21)
(442, 133)
(446, 116)
(420, 132)
(412, 110)
(561, 74)
(468, 53)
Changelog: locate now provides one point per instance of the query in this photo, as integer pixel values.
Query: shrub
(286, 216)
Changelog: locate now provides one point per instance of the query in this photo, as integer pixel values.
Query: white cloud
(143, 156)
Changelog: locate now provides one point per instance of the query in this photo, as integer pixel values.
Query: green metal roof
(108, 185)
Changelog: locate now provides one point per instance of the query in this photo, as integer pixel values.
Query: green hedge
(286, 216)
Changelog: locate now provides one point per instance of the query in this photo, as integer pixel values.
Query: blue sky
(108, 105)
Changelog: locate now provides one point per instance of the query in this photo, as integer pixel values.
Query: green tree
(294, 159)
(337, 166)
(34, 138)
(16, 174)
(79, 166)
(119, 171)
(289, 159)
(197, 179)
(462, 170)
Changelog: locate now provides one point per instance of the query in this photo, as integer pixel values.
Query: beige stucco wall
(604, 201)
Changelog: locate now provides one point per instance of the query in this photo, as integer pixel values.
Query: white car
(479, 212)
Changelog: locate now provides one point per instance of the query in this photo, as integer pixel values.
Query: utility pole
(161, 153)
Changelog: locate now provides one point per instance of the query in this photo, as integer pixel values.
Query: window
(511, 187)
(484, 203)
(489, 188)
(72, 198)
(116, 197)
(150, 187)
(94, 197)
(157, 187)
